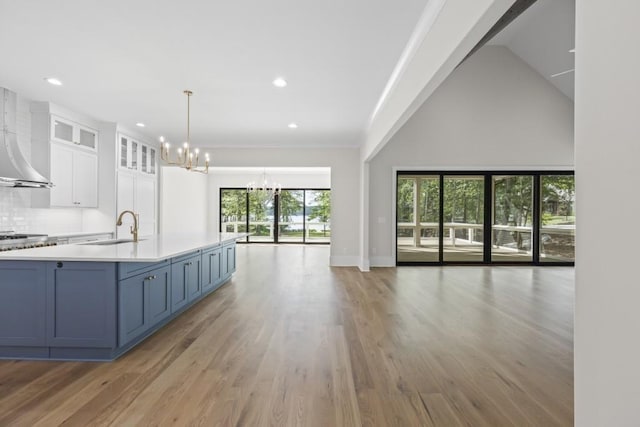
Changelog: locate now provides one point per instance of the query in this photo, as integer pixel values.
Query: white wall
(493, 112)
(183, 201)
(607, 319)
(239, 177)
(345, 184)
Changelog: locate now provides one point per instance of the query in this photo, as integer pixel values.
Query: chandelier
(270, 188)
(186, 158)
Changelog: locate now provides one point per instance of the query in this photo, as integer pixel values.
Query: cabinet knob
(150, 277)
(188, 263)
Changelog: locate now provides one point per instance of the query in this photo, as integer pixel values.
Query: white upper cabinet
(69, 132)
(75, 178)
(136, 156)
(65, 150)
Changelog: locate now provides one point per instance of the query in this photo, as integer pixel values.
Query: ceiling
(542, 36)
(129, 61)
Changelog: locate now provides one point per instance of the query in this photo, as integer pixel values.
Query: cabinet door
(124, 152)
(87, 138)
(194, 283)
(211, 269)
(159, 284)
(132, 307)
(81, 304)
(61, 176)
(152, 161)
(179, 280)
(63, 130)
(23, 303)
(85, 180)
(228, 260)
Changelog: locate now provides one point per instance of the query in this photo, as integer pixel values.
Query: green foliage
(290, 204)
(233, 205)
(322, 209)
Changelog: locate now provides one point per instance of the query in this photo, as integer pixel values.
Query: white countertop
(148, 249)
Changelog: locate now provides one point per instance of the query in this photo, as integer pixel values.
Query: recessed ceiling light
(53, 81)
(279, 82)
(140, 125)
(293, 126)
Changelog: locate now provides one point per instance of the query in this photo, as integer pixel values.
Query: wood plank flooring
(290, 341)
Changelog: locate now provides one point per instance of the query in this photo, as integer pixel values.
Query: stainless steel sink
(111, 242)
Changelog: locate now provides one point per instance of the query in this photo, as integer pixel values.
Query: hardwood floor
(290, 341)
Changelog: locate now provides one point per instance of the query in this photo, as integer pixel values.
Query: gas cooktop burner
(20, 236)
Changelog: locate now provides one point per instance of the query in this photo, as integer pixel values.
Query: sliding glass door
(293, 216)
(418, 213)
(485, 217)
(512, 229)
(463, 217)
(558, 216)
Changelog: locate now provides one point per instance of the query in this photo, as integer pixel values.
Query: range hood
(15, 171)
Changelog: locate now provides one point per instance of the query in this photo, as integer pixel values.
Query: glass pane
(63, 131)
(134, 155)
(558, 217)
(317, 212)
(291, 216)
(144, 158)
(233, 211)
(152, 160)
(87, 138)
(463, 218)
(261, 219)
(418, 198)
(512, 218)
(123, 152)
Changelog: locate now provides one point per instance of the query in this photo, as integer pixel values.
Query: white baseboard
(382, 261)
(344, 261)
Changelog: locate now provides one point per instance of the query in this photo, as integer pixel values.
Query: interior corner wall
(493, 112)
(607, 319)
(345, 187)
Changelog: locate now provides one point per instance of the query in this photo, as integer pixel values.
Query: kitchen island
(97, 300)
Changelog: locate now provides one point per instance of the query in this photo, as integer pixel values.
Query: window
(485, 217)
(294, 216)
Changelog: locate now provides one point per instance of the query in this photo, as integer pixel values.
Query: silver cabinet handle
(150, 277)
(188, 263)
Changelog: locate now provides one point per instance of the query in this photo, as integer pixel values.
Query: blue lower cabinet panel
(144, 301)
(131, 303)
(159, 295)
(185, 282)
(211, 269)
(228, 260)
(81, 304)
(22, 303)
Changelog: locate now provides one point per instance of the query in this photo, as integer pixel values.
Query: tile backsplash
(17, 214)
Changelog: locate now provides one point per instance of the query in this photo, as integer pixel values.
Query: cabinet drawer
(128, 269)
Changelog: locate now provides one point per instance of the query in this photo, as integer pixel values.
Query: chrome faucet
(134, 227)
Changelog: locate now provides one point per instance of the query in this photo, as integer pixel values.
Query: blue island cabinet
(144, 301)
(77, 310)
(81, 307)
(23, 309)
(185, 280)
(211, 269)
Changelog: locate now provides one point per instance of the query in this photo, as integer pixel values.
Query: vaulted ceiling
(543, 36)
